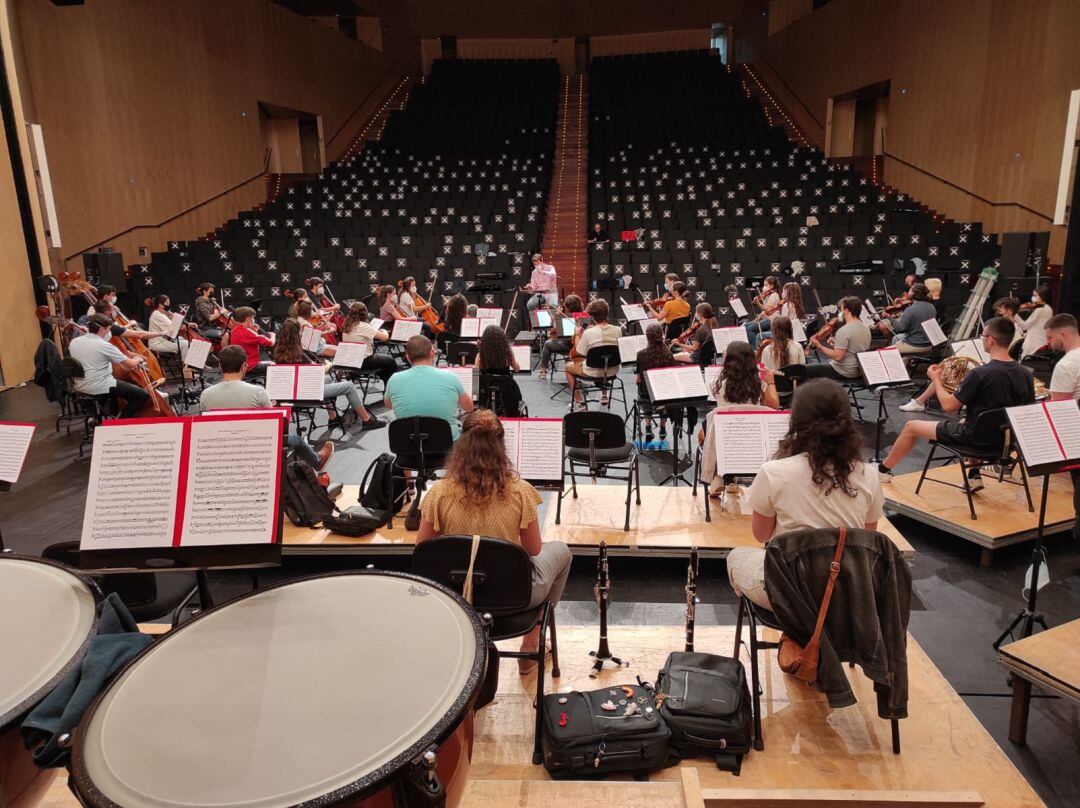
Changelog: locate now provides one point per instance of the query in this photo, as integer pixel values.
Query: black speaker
(105, 267)
(1024, 254)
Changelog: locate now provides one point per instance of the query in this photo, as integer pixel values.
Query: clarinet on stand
(603, 586)
(691, 598)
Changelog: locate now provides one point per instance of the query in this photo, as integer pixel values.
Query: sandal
(527, 666)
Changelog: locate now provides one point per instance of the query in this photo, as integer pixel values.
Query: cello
(426, 311)
(157, 406)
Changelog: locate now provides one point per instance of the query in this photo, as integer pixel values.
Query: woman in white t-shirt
(783, 350)
(738, 387)
(1034, 326)
(161, 323)
(356, 328)
(406, 297)
(600, 333)
(818, 480)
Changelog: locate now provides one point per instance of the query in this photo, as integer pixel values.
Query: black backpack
(705, 702)
(306, 500)
(384, 486)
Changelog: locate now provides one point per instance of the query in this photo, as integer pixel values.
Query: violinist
(910, 337)
(902, 301)
(600, 333)
(249, 337)
(161, 323)
(97, 356)
(782, 350)
(768, 299)
(791, 306)
(852, 336)
(933, 285)
(209, 318)
(675, 308)
(696, 343)
(453, 313)
(1034, 327)
(571, 307)
(297, 295)
(494, 352)
(304, 313)
(356, 328)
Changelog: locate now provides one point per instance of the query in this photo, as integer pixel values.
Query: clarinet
(691, 598)
(601, 592)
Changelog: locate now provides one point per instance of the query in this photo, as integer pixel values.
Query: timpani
(47, 616)
(344, 689)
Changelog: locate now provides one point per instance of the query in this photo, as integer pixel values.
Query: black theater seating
(679, 152)
(467, 162)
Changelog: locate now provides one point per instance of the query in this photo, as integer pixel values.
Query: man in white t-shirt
(1062, 333)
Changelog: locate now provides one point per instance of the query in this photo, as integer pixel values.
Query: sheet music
(136, 464)
(310, 383)
(488, 321)
(403, 329)
(669, 384)
(534, 446)
(309, 338)
(722, 337)
(1065, 416)
(1031, 427)
(566, 326)
(470, 327)
(738, 307)
(894, 364)
(197, 354)
(873, 368)
(489, 313)
(467, 376)
(176, 320)
(280, 381)
(972, 349)
(934, 332)
(233, 478)
(629, 347)
(350, 355)
(283, 412)
(634, 312)
(14, 444)
(711, 374)
(866, 314)
(746, 440)
(523, 354)
(798, 331)
(377, 323)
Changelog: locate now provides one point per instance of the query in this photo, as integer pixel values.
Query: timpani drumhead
(285, 696)
(47, 615)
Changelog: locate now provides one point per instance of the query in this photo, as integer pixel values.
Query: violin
(1029, 306)
(898, 305)
(826, 330)
(689, 332)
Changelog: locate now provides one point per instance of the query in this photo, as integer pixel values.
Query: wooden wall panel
(979, 92)
(149, 106)
(785, 12)
(654, 42)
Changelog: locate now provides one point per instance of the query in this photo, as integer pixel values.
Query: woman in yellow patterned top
(482, 495)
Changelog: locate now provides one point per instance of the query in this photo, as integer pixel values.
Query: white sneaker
(913, 406)
(885, 476)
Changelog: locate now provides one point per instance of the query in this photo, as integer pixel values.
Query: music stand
(676, 428)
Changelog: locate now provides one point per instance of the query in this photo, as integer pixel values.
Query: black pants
(134, 398)
(824, 370)
(383, 365)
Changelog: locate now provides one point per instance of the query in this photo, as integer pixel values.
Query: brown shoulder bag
(802, 663)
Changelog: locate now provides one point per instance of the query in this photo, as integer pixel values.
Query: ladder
(971, 316)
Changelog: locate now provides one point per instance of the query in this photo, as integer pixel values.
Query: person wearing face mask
(999, 383)
(388, 308)
(543, 283)
(108, 294)
(161, 323)
(1034, 327)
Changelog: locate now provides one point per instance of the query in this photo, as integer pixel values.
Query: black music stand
(676, 430)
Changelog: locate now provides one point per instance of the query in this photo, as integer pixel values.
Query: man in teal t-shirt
(425, 390)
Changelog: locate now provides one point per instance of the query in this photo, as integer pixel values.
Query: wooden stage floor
(668, 522)
(1001, 508)
(813, 756)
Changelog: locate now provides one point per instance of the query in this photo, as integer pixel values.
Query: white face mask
(668, 286)
(1034, 298)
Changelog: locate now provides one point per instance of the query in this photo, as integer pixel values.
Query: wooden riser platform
(1001, 508)
(668, 522)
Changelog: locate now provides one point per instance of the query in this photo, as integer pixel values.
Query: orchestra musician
(782, 349)
(249, 337)
(356, 328)
(107, 294)
(494, 351)
(543, 283)
(999, 383)
(115, 329)
(209, 318)
(232, 392)
(851, 338)
(387, 298)
(304, 314)
(298, 294)
(657, 354)
(571, 307)
(1062, 334)
(1009, 308)
(818, 480)
(317, 294)
(97, 356)
(899, 303)
(672, 306)
(933, 285)
(160, 323)
(908, 334)
(406, 301)
(696, 343)
(791, 306)
(1034, 326)
(768, 300)
(425, 390)
(601, 332)
(453, 313)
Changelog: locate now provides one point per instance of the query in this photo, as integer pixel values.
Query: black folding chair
(499, 392)
(461, 353)
(502, 588)
(419, 444)
(605, 359)
(991, 444)
(597, 440)
(788, 380)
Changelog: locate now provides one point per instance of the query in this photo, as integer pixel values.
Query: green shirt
(424, 390)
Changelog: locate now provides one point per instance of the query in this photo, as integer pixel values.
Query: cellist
(97, 356)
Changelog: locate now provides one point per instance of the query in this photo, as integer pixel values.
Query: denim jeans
(559, 345)
(332, 390)
(552, 299)
(303, 450)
